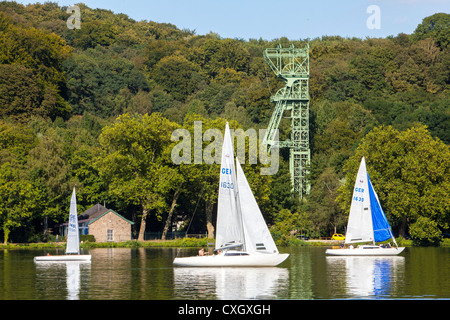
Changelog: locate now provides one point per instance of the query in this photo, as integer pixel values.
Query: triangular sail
(257, 234)
(73, 237)
(359, 227)
(229, 222)
(381, 227)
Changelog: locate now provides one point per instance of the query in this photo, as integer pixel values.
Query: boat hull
(251, 260)
(75, 257)
(365, 251)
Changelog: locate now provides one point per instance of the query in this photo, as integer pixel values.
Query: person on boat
(219, 252)
(201, 252)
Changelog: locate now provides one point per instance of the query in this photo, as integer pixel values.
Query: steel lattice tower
(292, 65)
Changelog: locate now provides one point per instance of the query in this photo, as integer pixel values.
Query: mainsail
(73, 238)
(359, 227)
(367, 221)
(229, 221)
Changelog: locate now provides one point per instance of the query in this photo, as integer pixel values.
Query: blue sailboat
(367, 221)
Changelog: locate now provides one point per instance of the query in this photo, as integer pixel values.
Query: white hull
(250, 260)
(75, 257)
(365, 251)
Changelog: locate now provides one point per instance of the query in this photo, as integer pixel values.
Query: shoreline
(182, 242)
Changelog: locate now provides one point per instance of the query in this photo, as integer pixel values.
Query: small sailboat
(243, 238)
(366, 222)
(73, 239)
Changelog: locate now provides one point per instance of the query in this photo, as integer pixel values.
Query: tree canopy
(410, 173)
(95, 107)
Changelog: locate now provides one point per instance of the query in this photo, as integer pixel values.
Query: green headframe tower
(292, 102)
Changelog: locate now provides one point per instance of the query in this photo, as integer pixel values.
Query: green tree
(410, 172)
(33, 59)
(216, 54)
(16, 141)
(134, 162)
(18, 199)
(177, 76)
(425, 232)
(325, 212)
(94, 33)
(288, 224)
(436, 26)
(100, 82)
(49, 170)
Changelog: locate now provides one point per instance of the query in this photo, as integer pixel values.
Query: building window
(110, 235)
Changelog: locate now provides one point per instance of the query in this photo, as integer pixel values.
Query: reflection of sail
(382, 276)
(367, 276)
(230, 283)
(73, 280)
(50, 278)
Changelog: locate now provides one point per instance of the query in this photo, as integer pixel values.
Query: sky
(272, 19)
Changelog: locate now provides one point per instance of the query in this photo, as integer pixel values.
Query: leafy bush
(425, 232)
(402, 242)
(87, 238)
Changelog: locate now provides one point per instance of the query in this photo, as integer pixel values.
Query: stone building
(104, 224)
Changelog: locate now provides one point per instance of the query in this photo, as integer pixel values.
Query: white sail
(359, 227)
(229, 222)
(257, 234)
(73, 238)
(240, 224)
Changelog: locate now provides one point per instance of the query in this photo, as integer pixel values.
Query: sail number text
(226, 171)
(357, 198)
(226, 184)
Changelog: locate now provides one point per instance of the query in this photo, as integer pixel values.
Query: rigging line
(196, 206)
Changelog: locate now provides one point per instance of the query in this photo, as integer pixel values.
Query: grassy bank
(184, 242)
(177, 243)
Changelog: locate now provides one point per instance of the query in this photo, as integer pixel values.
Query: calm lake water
(148, 274)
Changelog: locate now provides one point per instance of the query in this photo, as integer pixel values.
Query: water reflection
(230, 283)
(111, 267)
(364, 277)
(50, 275)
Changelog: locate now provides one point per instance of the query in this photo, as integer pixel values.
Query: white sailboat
(73, 239)
(243, 238)
(366, 222)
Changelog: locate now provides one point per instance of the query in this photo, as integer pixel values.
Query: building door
(110, 235)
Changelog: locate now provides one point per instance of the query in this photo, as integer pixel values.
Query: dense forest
(95, 108)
